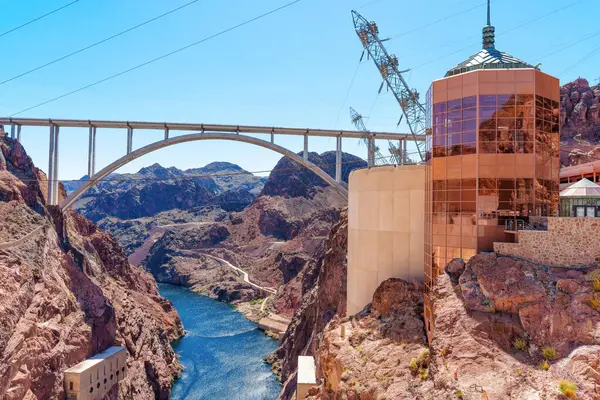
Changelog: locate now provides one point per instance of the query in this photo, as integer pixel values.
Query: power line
(347, 95)
(438, 21)
(504, 32)
(98, 42)
(160, 57)
(37, 19)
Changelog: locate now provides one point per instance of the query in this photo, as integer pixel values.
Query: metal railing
(516, 225)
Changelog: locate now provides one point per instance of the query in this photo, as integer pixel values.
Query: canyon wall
(68, 293)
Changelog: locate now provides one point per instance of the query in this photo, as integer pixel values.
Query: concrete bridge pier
(305, 153)
(371, 152)
(338, 160)
(53, 166)
(129, 139)
(92, 152)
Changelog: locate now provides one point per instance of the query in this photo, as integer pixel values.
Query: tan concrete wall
(567, 242)
(386, 208)
(101, 377)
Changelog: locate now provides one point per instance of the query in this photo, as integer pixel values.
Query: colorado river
(222, 352)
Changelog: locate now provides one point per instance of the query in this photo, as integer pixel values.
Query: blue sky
(293, 68)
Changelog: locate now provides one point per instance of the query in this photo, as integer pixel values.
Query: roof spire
(489, 30)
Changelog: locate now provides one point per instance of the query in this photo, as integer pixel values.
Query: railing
(516, 225)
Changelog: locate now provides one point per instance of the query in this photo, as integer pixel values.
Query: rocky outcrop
(323, 298)
(580, 122)
(69, 293)
(290, 179)
(503, 329)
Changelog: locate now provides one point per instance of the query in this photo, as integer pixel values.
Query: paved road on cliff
(244, 273)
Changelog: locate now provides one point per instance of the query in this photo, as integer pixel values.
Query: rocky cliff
(580, 122)
(130, 205)
(278, 239)
(68, 292)
(504, 328)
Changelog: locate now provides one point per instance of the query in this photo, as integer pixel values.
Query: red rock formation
(480, 310)
(580, 122)
(69, 293)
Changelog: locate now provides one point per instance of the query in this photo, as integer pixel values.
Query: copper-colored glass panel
(506, 123)
(454, 104)
(439, 130)
(487, 136)
(469, 113)
(470, 101)
(487, 147)
(469, 125)
(454, 127)
(487, 100)
(439, 107)
(525, 99)
(440, 119)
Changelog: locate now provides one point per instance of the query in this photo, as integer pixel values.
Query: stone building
(492, 155)
(93, 378)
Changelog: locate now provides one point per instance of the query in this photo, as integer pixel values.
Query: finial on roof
(489, 31)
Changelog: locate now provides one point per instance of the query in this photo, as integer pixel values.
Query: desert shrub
(544, 366)
(594, 302)
(596, 285)
(549, 353)
(414, 365)
(458, 394)
(567, 388)
(424, 374)
(520, 343)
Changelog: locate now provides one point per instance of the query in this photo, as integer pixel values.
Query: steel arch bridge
(202, 132)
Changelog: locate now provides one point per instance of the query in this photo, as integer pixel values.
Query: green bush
(567, 388)
(549, 353)
(520, 344)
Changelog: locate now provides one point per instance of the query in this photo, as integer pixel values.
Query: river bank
(222, 351)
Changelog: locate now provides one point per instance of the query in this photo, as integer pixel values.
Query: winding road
(244, 273)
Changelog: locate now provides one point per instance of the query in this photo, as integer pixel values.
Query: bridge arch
(75, 195)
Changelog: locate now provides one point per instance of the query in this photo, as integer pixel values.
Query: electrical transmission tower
(358, 122)
(408, 98)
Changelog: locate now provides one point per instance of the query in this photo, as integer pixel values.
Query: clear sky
(293, 68)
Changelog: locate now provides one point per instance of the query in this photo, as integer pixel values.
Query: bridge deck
(178, 126)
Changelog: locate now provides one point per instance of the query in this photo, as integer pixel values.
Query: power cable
(97, 43)
(569, 44)
(347, 95)
(582, 60)
(438, 21)
(160, 57)
(37, 19)
(504, 32)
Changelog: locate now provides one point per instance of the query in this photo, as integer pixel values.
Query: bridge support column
(305, 153)
(92, 152)
(19, 133)
(371, 150)
(129, 139)
(272, 137)
(12, 131)
(55, 191)
(50, 167)
(401, 146)
(338, 160)
(166, 133)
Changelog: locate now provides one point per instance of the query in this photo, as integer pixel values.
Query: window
(585, 211)
(98, 385)
(105, 381)
(91, 390)
(70, 385)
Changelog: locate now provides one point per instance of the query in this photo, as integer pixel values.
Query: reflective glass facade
(492, 156)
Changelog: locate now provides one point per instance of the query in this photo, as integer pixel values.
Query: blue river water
(222, 352)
